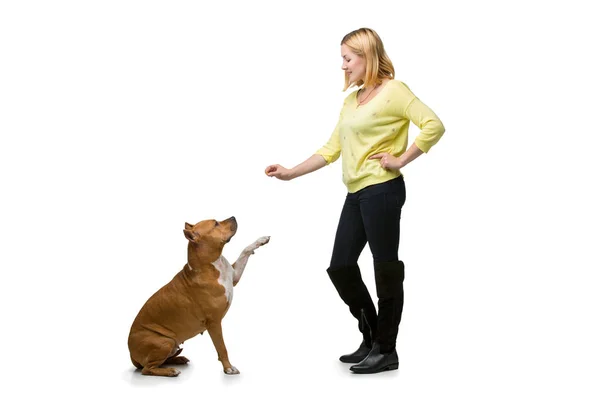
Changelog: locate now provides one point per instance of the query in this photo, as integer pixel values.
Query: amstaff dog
(195, 300)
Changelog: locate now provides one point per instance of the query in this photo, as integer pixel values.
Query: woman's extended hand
(279, 172)
(387, 160)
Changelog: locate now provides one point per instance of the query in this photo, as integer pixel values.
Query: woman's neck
(374, 86)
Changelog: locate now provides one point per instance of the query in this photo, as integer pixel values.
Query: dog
(194, 301)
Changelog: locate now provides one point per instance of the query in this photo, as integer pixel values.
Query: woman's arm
(432, 130)
(390, 162)
(312, 164)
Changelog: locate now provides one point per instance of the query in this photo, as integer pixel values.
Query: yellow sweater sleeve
(332, 149)
(431, 127)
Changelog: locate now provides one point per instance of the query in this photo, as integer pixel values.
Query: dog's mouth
(232, 227)
(230, 237)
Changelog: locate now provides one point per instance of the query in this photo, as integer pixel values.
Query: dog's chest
(226, 276)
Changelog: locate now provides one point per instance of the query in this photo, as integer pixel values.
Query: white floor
(294, 356)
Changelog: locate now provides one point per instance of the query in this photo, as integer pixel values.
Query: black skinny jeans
(370, 215)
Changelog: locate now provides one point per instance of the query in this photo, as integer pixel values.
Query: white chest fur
(226, 276)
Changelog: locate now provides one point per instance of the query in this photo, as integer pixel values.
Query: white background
(121, 120)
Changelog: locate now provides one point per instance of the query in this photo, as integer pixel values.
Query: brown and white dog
(195, 300)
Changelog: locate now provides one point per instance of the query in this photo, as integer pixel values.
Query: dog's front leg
(240, 264)
(216, 334)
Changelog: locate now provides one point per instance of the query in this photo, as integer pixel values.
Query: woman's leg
(344, 272)
(350, 237)
(381, 207)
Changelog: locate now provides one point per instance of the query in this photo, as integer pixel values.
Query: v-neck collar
(357, 106)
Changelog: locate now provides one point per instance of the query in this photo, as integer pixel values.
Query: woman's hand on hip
(279, 172)
(387, 160)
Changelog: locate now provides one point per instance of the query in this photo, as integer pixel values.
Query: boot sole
(390, 367)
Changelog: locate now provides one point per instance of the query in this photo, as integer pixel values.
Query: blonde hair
(367, 44)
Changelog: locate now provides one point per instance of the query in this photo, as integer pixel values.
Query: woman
(372, 138)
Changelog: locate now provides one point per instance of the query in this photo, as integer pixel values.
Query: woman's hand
(387, 160)
(279, 172)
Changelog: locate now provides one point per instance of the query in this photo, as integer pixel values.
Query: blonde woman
(372, 138)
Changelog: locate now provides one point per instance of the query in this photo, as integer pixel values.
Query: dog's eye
(216, 223)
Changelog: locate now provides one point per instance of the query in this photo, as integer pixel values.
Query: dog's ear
(191, 235)
(188, 226)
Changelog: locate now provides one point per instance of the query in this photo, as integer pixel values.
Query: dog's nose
(233, 224)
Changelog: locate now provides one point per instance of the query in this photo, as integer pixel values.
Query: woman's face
(353, 65)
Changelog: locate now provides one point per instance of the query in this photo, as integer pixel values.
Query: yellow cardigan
(379, 126)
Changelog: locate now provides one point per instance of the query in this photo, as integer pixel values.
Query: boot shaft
(389, 278)
(353, 291)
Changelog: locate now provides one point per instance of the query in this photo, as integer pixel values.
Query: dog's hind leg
(157, 357)
(181, 360)
(135, 363)
(174, 360)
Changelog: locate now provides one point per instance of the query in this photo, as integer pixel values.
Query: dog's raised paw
(231, 371)
(263, 240)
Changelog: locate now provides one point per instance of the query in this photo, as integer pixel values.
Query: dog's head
(211, 233)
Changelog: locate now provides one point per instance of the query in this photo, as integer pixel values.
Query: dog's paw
(181, 360)
(160, 371)
(231, 371)
(263, 240)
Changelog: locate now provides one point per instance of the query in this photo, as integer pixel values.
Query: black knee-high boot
(389, 277)
(351, 288)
